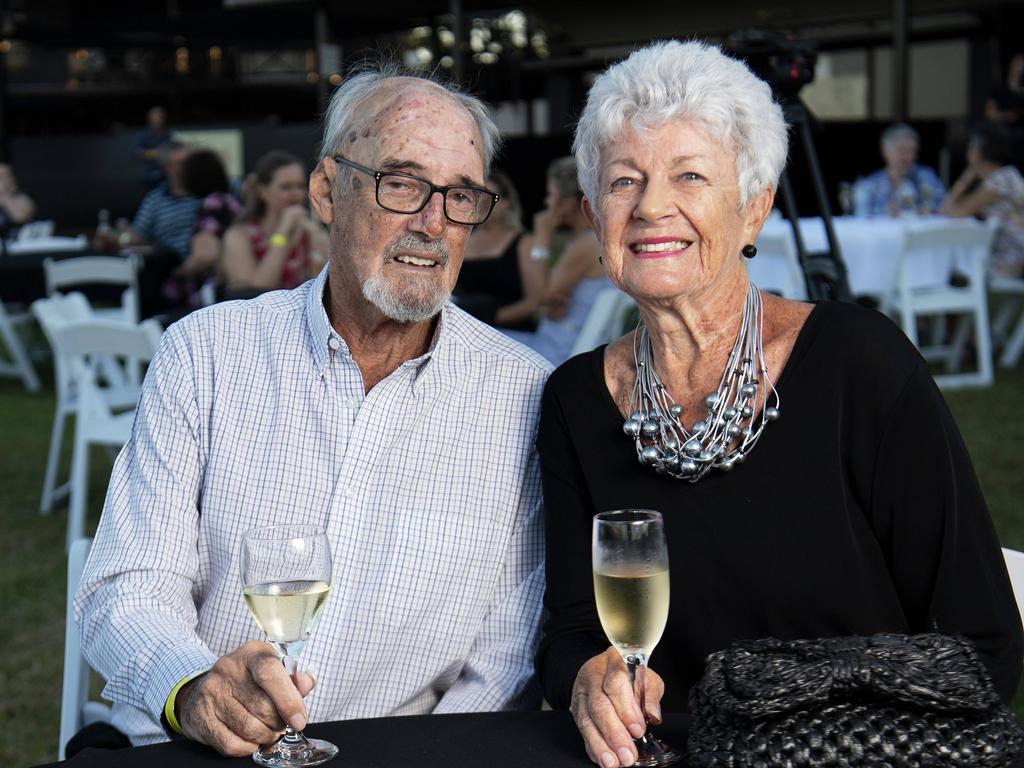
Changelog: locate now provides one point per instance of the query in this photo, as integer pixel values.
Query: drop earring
(749, 251)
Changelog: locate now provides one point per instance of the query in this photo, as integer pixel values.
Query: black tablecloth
(22, 281)
(492, 740)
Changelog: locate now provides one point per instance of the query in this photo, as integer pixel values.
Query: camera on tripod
(785, 63)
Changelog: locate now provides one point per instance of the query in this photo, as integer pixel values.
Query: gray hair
(368, 80)
(898, 132)
(565, 177)
(670, 80)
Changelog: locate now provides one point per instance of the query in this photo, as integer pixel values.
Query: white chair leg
(909, 320)
(1004, 317)
(52, 461)
(79, 488)
(1014, 346)
(965, 324)
(984, 343)
(19, 356)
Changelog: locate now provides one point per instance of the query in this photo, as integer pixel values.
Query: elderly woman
(849, 509)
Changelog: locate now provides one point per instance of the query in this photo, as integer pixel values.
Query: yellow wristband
(172, 720)
(278, 239)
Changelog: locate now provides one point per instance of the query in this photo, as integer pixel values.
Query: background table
(495, 740)
(871, 248)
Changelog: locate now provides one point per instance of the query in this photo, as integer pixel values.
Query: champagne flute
(631, 588)
(286, 575)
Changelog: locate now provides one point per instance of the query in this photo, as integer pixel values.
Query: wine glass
(631, 589)
(286, 575)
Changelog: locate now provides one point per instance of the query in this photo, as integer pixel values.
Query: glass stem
(291, 666)
(635, 666)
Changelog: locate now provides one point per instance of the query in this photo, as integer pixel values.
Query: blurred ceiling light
(334, 79)
(181, 61)
(447, 62)
(215, 52)
(446, 37)
(312, 77)
(5, 46)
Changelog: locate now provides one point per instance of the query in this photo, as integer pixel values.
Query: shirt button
(333, 343)
(350, 492)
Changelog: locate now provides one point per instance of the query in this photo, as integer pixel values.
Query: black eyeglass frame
(434, 188)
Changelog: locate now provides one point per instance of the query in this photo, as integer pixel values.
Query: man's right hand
(606, 710)
(243, 701)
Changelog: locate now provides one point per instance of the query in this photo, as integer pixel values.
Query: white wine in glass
(286, 577)
(631, 589)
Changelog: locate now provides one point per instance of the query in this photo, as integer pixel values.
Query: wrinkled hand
(607, 712)
(243, 702)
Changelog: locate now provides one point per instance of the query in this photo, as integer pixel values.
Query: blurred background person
(501, 282)
(902, 186)
(15, 206)
(576, 278)
(275, 243)
(149, 147)
(1006, 104)
(992, 187)
(206, 180)
(166, 215)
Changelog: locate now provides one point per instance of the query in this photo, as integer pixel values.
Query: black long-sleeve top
(857, 512)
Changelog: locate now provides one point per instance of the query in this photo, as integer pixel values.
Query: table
(871, 249)
(539, 739)
(22, 280)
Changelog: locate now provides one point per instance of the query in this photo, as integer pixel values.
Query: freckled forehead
(422, 123)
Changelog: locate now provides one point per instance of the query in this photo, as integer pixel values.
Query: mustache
(411, 242)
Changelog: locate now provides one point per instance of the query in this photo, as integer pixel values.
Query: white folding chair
(98, 270)
(605, 320)
(76, 711)
(776, 268)
(928, 258)
(19, 366)
(1015, 567)
(120, 390)
(96, 422)
(1006, 333)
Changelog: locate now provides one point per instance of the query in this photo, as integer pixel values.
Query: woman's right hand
(606, 710)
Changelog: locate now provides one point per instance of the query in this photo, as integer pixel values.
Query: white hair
(898, 132)
(694, 81)
(364, 83)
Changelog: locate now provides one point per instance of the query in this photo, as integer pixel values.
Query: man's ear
(595, 222)
(321, 182)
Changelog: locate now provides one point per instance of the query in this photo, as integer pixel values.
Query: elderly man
(902, 186)
(363, 402)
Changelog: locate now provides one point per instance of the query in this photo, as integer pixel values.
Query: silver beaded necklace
(655, 423)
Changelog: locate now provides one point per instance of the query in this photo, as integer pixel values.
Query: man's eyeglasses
(402, 193)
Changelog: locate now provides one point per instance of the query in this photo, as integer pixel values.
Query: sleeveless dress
(293, 273)
(485, 285)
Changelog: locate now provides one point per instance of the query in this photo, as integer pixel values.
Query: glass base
(295, 754)
(653, 752)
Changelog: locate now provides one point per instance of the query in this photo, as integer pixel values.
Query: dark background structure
(76, 78)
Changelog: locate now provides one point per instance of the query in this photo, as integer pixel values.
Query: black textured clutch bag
(884, 700)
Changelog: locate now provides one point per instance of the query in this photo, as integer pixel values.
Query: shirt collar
(321, 332)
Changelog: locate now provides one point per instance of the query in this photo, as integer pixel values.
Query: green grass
(32, 561)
